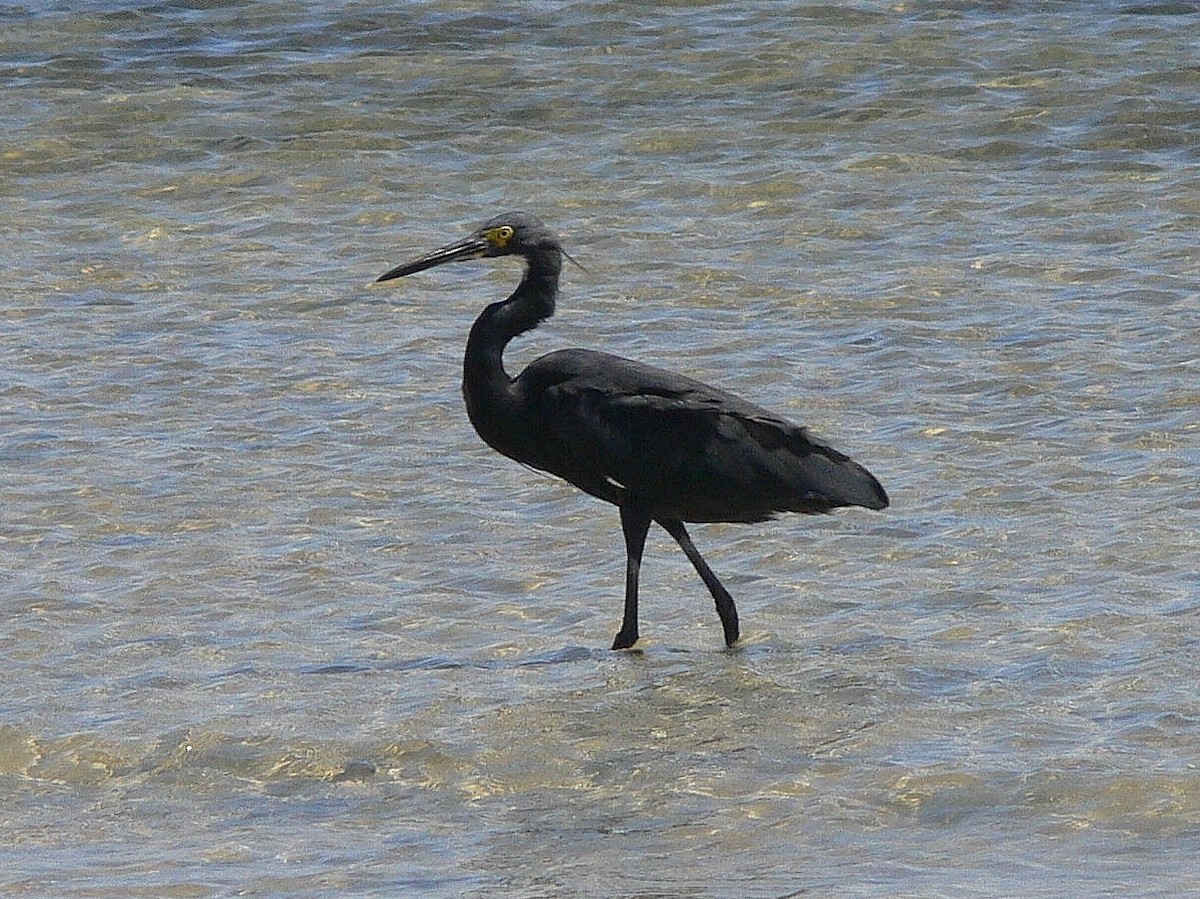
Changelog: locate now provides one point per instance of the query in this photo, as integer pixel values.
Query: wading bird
(659, 446)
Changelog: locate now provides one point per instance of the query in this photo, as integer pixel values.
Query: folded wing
(683, 448)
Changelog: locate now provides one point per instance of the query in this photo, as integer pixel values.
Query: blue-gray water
(276, 623)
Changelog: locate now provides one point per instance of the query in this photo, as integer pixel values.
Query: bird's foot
(625, 639)
(728, 614)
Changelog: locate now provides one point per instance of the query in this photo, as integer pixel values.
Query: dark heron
(660, 447)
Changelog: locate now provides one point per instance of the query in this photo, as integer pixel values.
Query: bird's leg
(635, 522)
(725, 607)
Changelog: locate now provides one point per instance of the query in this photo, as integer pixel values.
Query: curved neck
(487, 388)
(530, 304)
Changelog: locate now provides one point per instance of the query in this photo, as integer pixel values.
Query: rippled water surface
(277, 623)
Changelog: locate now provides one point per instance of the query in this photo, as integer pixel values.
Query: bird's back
(684, 449)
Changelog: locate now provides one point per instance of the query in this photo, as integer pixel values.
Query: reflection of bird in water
(657, 445)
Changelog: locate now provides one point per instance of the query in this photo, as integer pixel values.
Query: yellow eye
(500, 236)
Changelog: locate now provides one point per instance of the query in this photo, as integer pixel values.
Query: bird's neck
(530, 304)
(490, 393)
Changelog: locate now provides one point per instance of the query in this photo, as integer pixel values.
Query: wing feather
(689, 450)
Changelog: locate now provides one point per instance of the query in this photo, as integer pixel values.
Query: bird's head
(512, 233)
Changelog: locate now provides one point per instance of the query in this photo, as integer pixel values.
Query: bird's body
(614, 427)
(660, 446)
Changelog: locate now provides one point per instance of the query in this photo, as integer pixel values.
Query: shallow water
(279, 624)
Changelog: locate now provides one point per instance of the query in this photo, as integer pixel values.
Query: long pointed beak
(469, 248)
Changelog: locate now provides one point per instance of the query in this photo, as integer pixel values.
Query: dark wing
(687, 450)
